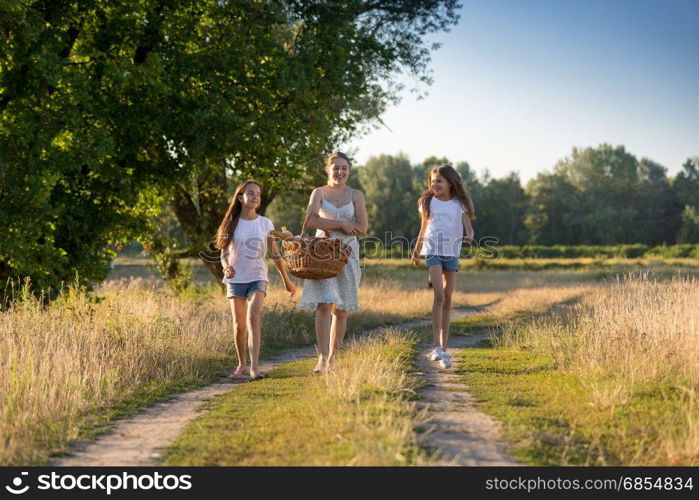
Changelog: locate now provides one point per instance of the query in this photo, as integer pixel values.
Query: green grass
(350, 417)
(552, 418)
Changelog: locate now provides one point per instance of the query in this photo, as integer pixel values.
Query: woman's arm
(279, 264)
(315, 221)
(362, 224)
(469, 228)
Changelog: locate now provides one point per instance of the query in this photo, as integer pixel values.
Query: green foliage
(500, 205)
(391, 201)
(602, 196)
(686, 185)
(690, 224)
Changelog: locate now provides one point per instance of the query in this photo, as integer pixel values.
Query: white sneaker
(436, 354)
(445, 362)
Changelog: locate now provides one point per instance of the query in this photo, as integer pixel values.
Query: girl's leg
(337, 332)
(238, 311)
(323, 321)
(450, 283)
(254, 334)
(437, 303)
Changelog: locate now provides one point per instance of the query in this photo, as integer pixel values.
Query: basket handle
(303, 228)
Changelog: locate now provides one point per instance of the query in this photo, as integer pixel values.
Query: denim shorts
(447, 263)
(245, 290)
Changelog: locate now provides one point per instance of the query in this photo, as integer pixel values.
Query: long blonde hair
(456, 189)
(337, 154)
(224, 235)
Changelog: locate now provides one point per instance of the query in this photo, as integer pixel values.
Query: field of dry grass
(67, 368)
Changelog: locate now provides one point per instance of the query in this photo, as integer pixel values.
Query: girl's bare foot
(238, 372)
(320, 367)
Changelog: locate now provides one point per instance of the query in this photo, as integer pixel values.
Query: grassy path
(140, 440)
(457, 431)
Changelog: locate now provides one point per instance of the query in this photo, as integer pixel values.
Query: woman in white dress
(338, 211)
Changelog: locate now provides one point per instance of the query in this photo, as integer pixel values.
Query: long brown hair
(456, 189)
(224, 235)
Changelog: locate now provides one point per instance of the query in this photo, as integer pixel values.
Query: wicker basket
(315, 258)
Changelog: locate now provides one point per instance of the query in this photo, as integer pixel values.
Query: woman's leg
(254, 333)
(323, 322)
(450, 283)
(337, 331)
(238, 311)
(437, 303)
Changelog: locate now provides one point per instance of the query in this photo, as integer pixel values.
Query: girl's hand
(290, 287)
(468, 239)
(415, 260)
(229, 272)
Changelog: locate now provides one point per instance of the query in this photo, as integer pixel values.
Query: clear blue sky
(518, 83)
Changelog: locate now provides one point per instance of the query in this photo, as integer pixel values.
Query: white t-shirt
(445, 228)
(247, 253)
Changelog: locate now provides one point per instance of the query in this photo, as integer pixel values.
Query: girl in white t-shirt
(446, 209)
(244, 238)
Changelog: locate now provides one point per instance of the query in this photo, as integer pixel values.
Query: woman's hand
(348, 228)
(290, 287)
(228, 272)
(468, 239)
(415, 259)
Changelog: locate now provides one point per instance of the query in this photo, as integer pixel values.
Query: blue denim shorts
(245, 290)
(447, 263)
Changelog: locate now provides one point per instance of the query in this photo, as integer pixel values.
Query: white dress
(343, 289)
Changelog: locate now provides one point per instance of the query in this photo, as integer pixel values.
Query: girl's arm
(360, 215)
(228, 271)
(469, 228)
(315, 221)
(279, 264)
(418, 246)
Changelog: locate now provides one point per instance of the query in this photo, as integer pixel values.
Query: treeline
(595, 196)
(637, 251)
